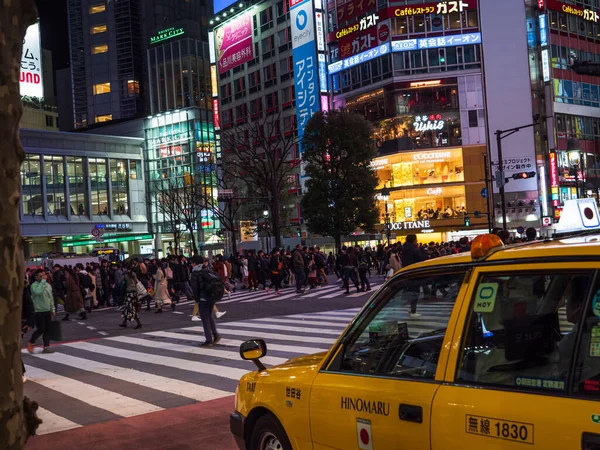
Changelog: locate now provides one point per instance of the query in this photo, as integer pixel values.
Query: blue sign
(305, 64)
(543, 30)
(436, 42)
(365, 56)
(484, 193)
(220, 5)
(322, 75)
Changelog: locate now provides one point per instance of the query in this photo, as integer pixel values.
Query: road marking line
(182, 388)
(235, 343)
(302, 322)
(225, 354)
(276, 336)
(192, 366)
(52, 423)
(103, 333)
(263, 326)
(88, 393)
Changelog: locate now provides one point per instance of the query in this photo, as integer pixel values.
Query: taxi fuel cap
(578, 215)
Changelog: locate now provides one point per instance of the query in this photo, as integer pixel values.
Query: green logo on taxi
(596, 418)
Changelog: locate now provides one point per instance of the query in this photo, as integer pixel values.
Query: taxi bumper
(236, 425)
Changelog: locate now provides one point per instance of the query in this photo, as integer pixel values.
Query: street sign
(484, 193)
(520, 230)
(546, 221)
(96, 232)
(500, 179)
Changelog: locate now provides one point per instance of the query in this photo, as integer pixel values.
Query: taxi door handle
(590, 441)
(411, 413)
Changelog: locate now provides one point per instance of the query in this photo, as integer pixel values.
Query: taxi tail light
(483, 243)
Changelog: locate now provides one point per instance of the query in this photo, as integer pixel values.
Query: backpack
(214, 288)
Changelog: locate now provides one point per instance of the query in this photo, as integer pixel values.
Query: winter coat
(411, 254)
(28, 310)
(41, 294)
(161, 292)
(74, 300)
(395, 262)
(93, 277)
(298, 260)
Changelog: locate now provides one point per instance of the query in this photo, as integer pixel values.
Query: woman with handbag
(132, 305)
(161, 292)
(74, 299)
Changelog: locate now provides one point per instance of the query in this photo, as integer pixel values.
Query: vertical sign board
(31, 83)
(305, 62)
(543, 30)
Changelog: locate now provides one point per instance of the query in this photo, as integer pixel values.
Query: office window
(97, 9)
(473, 118)
(55, 185)
(49, 121)
(99, 186)
(133, 170)
(133, 87)
(119, 184)
(104, 118)
(77, 185)
(32, 186)
(101, 88)
(97, 29)
(97, 49)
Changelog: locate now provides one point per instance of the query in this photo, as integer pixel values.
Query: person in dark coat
(74, 299)
(412, 254)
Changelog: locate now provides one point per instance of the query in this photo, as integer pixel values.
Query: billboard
(234, 42)
(31, 83)
(220, 5)
(305, 62)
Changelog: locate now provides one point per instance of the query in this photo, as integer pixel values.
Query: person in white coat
(161, 292)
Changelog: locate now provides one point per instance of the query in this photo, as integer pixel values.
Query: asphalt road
(107, 387)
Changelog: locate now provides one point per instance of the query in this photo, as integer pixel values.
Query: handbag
(55, 331)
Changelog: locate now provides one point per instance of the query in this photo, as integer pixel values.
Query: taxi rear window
(521, 331)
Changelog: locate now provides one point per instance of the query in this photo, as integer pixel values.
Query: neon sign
(166, 34)
(433, 122)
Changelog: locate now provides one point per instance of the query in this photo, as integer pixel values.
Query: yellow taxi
(503, 352)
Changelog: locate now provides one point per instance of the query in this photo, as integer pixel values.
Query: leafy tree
(340, 192)
(17, 415)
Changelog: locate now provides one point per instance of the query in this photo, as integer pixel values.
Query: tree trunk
(233, 242)
(193, 238)
(15, 426)
(276, 218)
(338, 241)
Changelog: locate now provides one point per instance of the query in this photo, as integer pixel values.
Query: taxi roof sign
(579, 215)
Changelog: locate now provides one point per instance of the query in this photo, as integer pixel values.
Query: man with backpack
(208, 289)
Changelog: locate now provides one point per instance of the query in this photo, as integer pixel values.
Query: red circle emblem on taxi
(364, 436)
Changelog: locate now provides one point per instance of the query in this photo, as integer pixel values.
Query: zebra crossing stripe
(320, 291)
(90, 394)
(183, 364)
(282, 297)
(275, 336)
(173, 386)
(262, 326)
(303, 322)
(235, 343)
(52, 423)
(342, 320)
(225, 354)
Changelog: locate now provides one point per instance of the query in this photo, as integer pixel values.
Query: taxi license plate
(499, 429)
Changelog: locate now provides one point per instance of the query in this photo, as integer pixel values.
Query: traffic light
(467, 221)
(299, 232)
(523, 175)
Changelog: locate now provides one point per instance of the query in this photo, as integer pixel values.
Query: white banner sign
(31, 78)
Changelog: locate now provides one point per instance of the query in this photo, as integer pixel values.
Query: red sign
(540, 4)
(553, 170)
(216, 115)
(353, 9)
(383, 32)
(357, 43)
(234, 43)
(584, 13)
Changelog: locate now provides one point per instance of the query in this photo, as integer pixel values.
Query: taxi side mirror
(253, 350)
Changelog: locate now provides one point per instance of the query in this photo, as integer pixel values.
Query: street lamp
(266, 228)
(385, 195)
(574, 154)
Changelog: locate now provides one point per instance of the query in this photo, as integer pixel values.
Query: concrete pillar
(58, 245)
(157, 245)
(26, 249)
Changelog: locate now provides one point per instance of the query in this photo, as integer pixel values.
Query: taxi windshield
(402, 331)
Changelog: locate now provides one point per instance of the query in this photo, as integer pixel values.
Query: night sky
(55, 33)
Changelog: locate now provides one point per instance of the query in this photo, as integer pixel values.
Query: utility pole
(490, 191)
(500, 178)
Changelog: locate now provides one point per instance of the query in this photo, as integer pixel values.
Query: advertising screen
(220, 5)
(31, 82)
(234, 43)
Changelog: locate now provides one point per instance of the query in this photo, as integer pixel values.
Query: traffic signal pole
(501, 134)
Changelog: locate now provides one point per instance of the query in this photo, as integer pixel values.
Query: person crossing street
(43, 303)
(208, 288)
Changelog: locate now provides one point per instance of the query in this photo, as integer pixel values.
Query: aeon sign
(416, 225)
(432, 122)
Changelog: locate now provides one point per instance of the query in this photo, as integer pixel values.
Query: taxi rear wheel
(268, 434)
